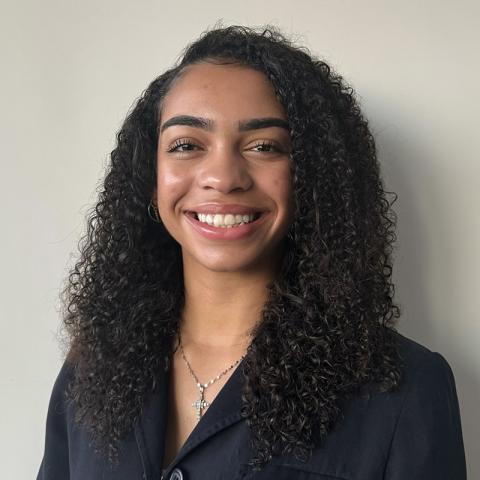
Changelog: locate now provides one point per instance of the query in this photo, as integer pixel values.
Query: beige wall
(70, 71)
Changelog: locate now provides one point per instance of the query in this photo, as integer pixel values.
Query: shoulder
(70, 448)
(416, 354)
(60, 411)
(59, 399)
(64, 376)
(424, 371)
(55, 462)
(426, 387)
(426, 439)
(427, 383)
(413, 431)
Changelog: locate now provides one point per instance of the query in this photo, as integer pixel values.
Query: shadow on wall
(427, 251)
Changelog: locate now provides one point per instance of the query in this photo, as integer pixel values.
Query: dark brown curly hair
(327, 327)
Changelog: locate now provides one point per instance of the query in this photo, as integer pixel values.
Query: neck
(222, 308)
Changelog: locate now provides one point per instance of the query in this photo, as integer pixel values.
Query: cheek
(281, 187)
(171, 186)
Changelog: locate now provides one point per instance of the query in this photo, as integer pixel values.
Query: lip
(214, 208)
(219, 233)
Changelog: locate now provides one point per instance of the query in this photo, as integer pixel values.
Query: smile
(225, 226)
(227, 220)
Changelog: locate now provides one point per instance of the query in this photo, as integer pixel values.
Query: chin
(231, 267)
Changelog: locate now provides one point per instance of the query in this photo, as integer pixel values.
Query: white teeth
(229, 219)
(225, 220)
(218, 220)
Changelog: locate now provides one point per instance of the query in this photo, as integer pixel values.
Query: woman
(231, 315)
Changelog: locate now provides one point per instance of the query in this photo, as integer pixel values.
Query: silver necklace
(201, 404)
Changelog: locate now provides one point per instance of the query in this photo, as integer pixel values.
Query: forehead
(232, 89)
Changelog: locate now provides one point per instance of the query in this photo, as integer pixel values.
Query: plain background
(71, 70)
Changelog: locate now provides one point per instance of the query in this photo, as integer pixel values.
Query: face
(223, 158)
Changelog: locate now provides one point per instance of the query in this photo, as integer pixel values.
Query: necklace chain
(201, 404)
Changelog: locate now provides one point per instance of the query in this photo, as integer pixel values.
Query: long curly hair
(328, 325)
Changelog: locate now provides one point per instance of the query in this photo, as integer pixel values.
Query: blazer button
(176, 474)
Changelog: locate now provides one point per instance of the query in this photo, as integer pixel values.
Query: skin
(225, 280)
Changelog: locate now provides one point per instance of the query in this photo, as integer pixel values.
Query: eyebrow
(209, 125)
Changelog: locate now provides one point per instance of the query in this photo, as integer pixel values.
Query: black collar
(150, 431)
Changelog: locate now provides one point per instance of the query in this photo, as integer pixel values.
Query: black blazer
(412, 433)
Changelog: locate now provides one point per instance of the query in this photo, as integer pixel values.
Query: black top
(412, 433)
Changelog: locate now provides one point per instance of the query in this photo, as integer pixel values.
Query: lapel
(150, 431)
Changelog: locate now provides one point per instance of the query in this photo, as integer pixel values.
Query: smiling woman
(238, 163)
(232, 315)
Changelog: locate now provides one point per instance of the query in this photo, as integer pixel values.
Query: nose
(225, 170)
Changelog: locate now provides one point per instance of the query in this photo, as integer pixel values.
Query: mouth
(225, 220)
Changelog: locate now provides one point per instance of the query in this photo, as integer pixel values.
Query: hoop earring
(155, 215)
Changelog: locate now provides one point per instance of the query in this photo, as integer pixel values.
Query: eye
(182, 145)
(267, 147)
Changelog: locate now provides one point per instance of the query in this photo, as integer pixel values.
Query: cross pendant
(200, 404)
